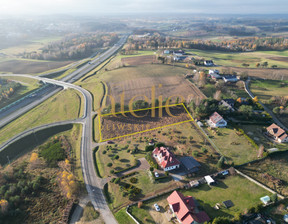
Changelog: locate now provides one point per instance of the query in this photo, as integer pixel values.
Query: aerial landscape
(144, 112)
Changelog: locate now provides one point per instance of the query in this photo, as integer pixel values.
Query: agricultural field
(37, 183)
(233, 144)
(140, 121)
(243, 193)
(237, 59)
(272, 171)
(66, 105)
(272, 93)
(21, 66)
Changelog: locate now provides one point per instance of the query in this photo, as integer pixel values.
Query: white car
(157, 208)
(156, 174)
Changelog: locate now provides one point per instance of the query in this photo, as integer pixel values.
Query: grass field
(243, 193)
(28, 85)
(276, 166)
(265, 89)
(122, 217)
(237, 59)
(65, 105)
(234, 147)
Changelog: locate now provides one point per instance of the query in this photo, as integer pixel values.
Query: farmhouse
(277, 133)
(217, 121)
(165, 159)
(230, 78)
(186, 209)
(208, 63)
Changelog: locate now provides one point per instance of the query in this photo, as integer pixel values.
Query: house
(228, 103)
(230, 78)
(166, 159)
(186, 209)
(214, 71)
(277, 133)
(209, 180)
(215, 76)
(179, 58)
(216, 121)
(208, 63)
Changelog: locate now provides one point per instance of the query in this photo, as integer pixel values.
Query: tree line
(7, 89)
(73, 47)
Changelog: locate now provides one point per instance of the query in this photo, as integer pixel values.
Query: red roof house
(166, 159)
(277, 133)
(185, 209)
(217, 121)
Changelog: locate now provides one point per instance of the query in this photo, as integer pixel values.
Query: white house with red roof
(217, 121)
(277, 133)
(186, 209)
(166, 159)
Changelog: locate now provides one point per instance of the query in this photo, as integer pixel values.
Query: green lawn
(28, 86)
(65, 105)
(242, 192)
(122, 217)
(234, 147)
(265, 89)
(236, 59)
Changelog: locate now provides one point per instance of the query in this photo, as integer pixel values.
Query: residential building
(208, 63)
(277, 133)
(216, 121)
(186, 209)
(166, 159)
(230, 78)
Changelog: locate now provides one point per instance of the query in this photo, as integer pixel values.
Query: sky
(90, 7)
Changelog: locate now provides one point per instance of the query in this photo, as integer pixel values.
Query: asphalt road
(92, 181)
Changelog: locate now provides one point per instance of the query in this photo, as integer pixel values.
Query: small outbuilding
(190, 164)
(209, 180)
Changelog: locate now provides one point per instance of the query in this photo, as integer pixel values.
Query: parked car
(156, 174)
(110, 142)
(225, 172)
(157, 208)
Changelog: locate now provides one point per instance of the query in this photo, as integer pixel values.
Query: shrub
(151, 168)
(112, 171)
(195, 153)
(274, 198)
(116, 157)
(117, 180)
(140, 203)
(104, 152)
(149, 148)
(53, 153)
(109, 164)
(133, 180)
(159, 144)
(113, 180)
(204, 150)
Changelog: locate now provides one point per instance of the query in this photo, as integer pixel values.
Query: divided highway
(91, 180)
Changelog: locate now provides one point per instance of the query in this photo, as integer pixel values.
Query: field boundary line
(151, 129)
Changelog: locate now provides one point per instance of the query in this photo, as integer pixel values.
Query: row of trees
(234, 45)
(73, 46)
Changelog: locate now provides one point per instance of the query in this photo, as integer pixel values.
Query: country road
(92, 181)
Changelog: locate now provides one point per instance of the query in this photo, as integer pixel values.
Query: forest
(73, 47)
(233, 45)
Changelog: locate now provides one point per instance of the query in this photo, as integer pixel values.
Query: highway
(92, 181)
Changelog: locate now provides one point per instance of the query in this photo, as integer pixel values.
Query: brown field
(25, 66)
(265, 73)
(285, 59)
(113, 127)
(172, 86)
(140, 60)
